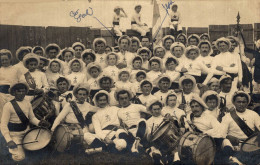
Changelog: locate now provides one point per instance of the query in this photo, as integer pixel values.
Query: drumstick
(110, 132)
(28, 142)
(152, 129)
(248, 143)
(38, 134)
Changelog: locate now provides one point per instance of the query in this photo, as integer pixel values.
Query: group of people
(121, 96)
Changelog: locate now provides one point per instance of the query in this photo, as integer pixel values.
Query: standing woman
(137, 24)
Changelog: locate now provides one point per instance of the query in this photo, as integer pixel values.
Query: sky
(195, 13)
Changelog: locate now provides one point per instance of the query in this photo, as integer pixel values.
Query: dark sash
(78, 114)
(115, 23)
(30, 81)
(241, 123)
(22, 117)
(133, 22)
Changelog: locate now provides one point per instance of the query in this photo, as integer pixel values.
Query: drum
(67, 134)
(197, 149)
(43, 107)
(166, 138)
(36, 138)
(252, 144)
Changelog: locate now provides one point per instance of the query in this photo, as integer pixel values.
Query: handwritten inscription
(167, 6)
(79, 16)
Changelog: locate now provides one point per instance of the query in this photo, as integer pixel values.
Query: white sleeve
(61, 116)
(4, 122)
(45, 83)
(97, 127)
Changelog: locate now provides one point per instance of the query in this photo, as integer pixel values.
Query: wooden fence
(13, 36)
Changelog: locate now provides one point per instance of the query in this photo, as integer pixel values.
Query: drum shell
(67, 135)
(247, 149)
(189, 147)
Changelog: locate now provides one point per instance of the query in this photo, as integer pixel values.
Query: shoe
(136, 143)
(234, 161)
(93, 150)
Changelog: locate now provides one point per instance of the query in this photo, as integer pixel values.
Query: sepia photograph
(150, 82)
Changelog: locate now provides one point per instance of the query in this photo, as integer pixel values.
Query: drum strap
(194, 127)
(30, 81)
(78, 114)
(20, 113)
(241, 123)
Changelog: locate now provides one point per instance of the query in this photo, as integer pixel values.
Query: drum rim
(250, 137)
(34, 129)
(182, 140)
(66, 129)
(36, 98)
(164, 125)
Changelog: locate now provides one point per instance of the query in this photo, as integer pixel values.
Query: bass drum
(195, 148)
(66, 135)
(251, 146)
(36, 138)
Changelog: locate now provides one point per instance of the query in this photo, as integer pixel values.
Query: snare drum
(166, 138)
(197, 148)
(36, 138)
(66, 135)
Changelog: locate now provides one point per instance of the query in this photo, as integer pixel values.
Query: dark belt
(115, 23)
(133, 126)
(15, 127)
(4, 89)
(110, 127)
(30, 93)
(133, 22)
(174, 20)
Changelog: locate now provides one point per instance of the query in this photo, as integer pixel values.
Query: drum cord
(58, 144)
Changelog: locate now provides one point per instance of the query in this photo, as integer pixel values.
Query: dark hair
(52, 47)
(145, 82)
(26, 51)
(194, 101)
(222, 42)
(211, 97)
(225, 80)
(101, 95)
(168, 38)
(109, 48)
(203, 43)
(55, 62)
(240, 95)
(31, 60)
(169, 60)
(79, 46)
(140, 73)
(164, 79)
(182, 36)
(193, 37)
(85, 55)
(167, 98)
(121, 93)
(99, 42)
(77, 61)
(7, 54)
(186, 81)
(94, 67)
(105, 78)
(82, 89)
(62, 79)
(133, 41)
(156, 103)
(145, 37)
(144, 51)
(36, 48)
(137, 58)
(154, 60)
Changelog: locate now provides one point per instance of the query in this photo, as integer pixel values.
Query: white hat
(177, 61)
(157, 47)
(213, 79)
(73, 60)
(157, 80)
(21, 49)
(144, 48)
(146, 81)
(101, 91)
(59, 62)
(155, 58)
(223, 77)
(78, 44)
(68, 81)
(97, 40)
(80, 86)
(204, 34)
(6, 51)
(199, 100)
(223, 39)
(88, 51)
(121, 89)
(12, 86)
(69, 49)
(209, 93)
(30, 56)
(125, 37)
(194, 35)
(135, 39)
(241, 92)
(187, 77)
(151, 102)
(168, 37)
(170, 93)
(52, 45)
(191, 47)
(204, 42)
(107, 76)
(93, 64)
(177, 44)
(34, 49)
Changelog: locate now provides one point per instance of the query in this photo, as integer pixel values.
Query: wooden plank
(197, 30)
(88, 39)
(4, 36)
(256, 31)
(217, 31)
(39, 36)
